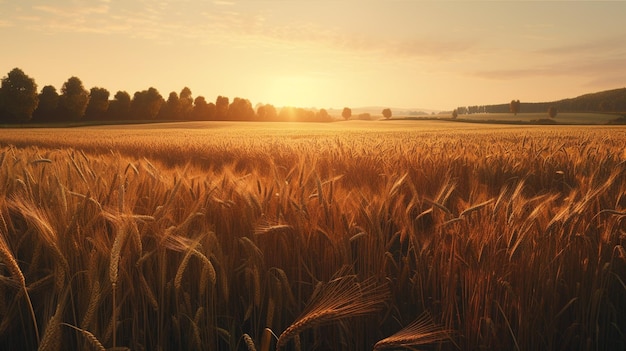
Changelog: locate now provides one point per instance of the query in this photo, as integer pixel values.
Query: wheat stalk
(342, 297)
(51, 340)
(14, 269)
(422, 331)
(93, 341)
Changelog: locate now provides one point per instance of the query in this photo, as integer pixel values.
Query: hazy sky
(428, 54)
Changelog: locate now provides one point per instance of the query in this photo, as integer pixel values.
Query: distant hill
(605, 101)
(377, 111)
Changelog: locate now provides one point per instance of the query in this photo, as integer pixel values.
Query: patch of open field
(561, 118)
(346, 236)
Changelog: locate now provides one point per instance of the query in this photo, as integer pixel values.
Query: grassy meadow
(341, 236)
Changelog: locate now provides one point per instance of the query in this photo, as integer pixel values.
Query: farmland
(346, 236)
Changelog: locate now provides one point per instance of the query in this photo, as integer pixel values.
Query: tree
(387, 113)
(146, 104)
(203, 111)
(186, 103)
(119, 108)
(241, 110)
(98, 104)
(346, 113)
(18, 97)
(267, 112)
(455, 114)
(74, 99)
(322, 115)
(48, 107)
(171, 109)
(221, 108)
(552, 111)
(514, 106)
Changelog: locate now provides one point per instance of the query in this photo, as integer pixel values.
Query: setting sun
(435, 55)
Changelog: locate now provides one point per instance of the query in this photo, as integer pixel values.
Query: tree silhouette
(203, 111)
(322, 115)
(552, 111)
(48, 107)
(267, 112)
(98, 104)
(146, 104)
(73, 100)
(455, 114)
(18, 97)
(119, 107)
(171, 109)
(514, 106)
(221, 108)
(186, 103)
(241, 110)
(387, 113)
(346, 113)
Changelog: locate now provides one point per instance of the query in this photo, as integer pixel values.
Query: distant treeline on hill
(20, 102)
(606, 101)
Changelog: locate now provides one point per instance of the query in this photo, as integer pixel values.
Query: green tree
(18, 97)
(98, 104)
(387, 113)
(346, 113)
(73, 100)
(119, 108)
(48, 108)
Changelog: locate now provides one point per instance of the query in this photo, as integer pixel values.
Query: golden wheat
(512, 239)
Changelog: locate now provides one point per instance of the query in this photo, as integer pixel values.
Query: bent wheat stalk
(422, 331)
(340, 298)
(11, 263)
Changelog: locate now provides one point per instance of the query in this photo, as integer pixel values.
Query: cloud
(582, 67)
(225, 22)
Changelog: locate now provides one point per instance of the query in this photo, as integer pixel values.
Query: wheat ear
(340, 298)
(420, 332)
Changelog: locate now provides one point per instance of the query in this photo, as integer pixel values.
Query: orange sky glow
(404, 54)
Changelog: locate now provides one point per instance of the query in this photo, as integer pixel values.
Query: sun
(297, 90)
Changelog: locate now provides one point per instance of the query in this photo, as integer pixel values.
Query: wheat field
(295, 237)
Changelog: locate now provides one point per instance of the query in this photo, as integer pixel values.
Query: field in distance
(354, 235)
(561, 118)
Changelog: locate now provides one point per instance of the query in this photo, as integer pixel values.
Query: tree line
(20, 102)
(609, 101)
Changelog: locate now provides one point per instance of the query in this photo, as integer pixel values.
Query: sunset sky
(404, 54)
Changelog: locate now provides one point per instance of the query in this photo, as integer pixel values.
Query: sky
(323, 54)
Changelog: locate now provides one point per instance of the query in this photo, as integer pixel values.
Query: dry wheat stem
(422, 331)
(340, 298)
(93, 341)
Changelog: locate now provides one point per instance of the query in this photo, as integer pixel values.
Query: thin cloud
(599, 69)
(599, 46)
